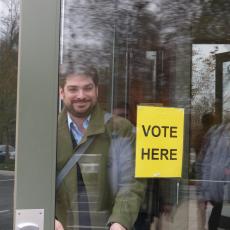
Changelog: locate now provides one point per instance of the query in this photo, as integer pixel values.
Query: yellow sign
(159, 142)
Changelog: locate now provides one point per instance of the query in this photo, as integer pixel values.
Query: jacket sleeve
(128, 191)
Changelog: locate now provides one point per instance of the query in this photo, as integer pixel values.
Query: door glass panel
(156, 53)
(9, 17)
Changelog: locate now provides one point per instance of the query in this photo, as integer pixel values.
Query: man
(100, 191)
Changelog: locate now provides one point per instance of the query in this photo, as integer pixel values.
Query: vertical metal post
(113, 69)
(114, 58)
(37, 113)
(126, 76)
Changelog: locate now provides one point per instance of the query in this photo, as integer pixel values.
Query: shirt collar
(85, 122)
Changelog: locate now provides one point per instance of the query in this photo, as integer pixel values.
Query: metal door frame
(37, 108)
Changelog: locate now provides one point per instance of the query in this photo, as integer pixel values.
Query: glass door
(145, 53)
(137, 63)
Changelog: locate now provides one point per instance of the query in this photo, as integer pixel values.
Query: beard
(77, 113)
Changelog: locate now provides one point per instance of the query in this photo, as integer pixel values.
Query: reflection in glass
(203, 77)
(142, 52)
(226, 91)
(9, 29)
(210, 139)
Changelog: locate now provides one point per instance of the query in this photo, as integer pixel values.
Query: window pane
(159, 54)
(9, 30)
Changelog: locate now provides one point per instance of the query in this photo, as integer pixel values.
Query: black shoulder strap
(77, 155)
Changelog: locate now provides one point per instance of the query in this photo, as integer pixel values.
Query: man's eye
(88, 88)
(72, 90)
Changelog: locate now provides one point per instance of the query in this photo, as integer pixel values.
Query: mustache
(80, 100)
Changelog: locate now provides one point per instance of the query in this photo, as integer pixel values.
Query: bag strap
(72, 161)
(77, 155)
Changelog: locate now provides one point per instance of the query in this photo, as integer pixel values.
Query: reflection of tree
(213, 24)
(90, 27)
(203, 81)
(115, 35)
(8, 70)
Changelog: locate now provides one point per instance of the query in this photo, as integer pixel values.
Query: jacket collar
(96, 123)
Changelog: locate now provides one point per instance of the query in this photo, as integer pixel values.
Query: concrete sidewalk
(7, 173)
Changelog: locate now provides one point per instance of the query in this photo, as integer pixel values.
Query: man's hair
(77, 69)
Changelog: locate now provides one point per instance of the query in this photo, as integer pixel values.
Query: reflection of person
(122, 110)
(207, 120)
(100, 190)
(216, 160)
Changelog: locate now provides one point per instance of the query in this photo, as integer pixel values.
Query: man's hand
(58, 225)
(116, 226)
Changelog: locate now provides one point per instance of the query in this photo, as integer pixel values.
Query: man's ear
(61, 93)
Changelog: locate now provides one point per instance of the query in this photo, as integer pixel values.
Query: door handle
(27, 226)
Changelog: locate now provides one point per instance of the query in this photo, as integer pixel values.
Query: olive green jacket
(107, 169)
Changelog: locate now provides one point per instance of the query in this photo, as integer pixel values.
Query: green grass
(7, 165)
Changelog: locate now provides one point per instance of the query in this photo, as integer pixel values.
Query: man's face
(79, 95)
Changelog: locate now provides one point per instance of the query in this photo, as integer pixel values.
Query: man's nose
(81, 93)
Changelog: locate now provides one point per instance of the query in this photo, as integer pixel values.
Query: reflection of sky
(206, 49)
(3, 13)
(226, 86)
(3, 9)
